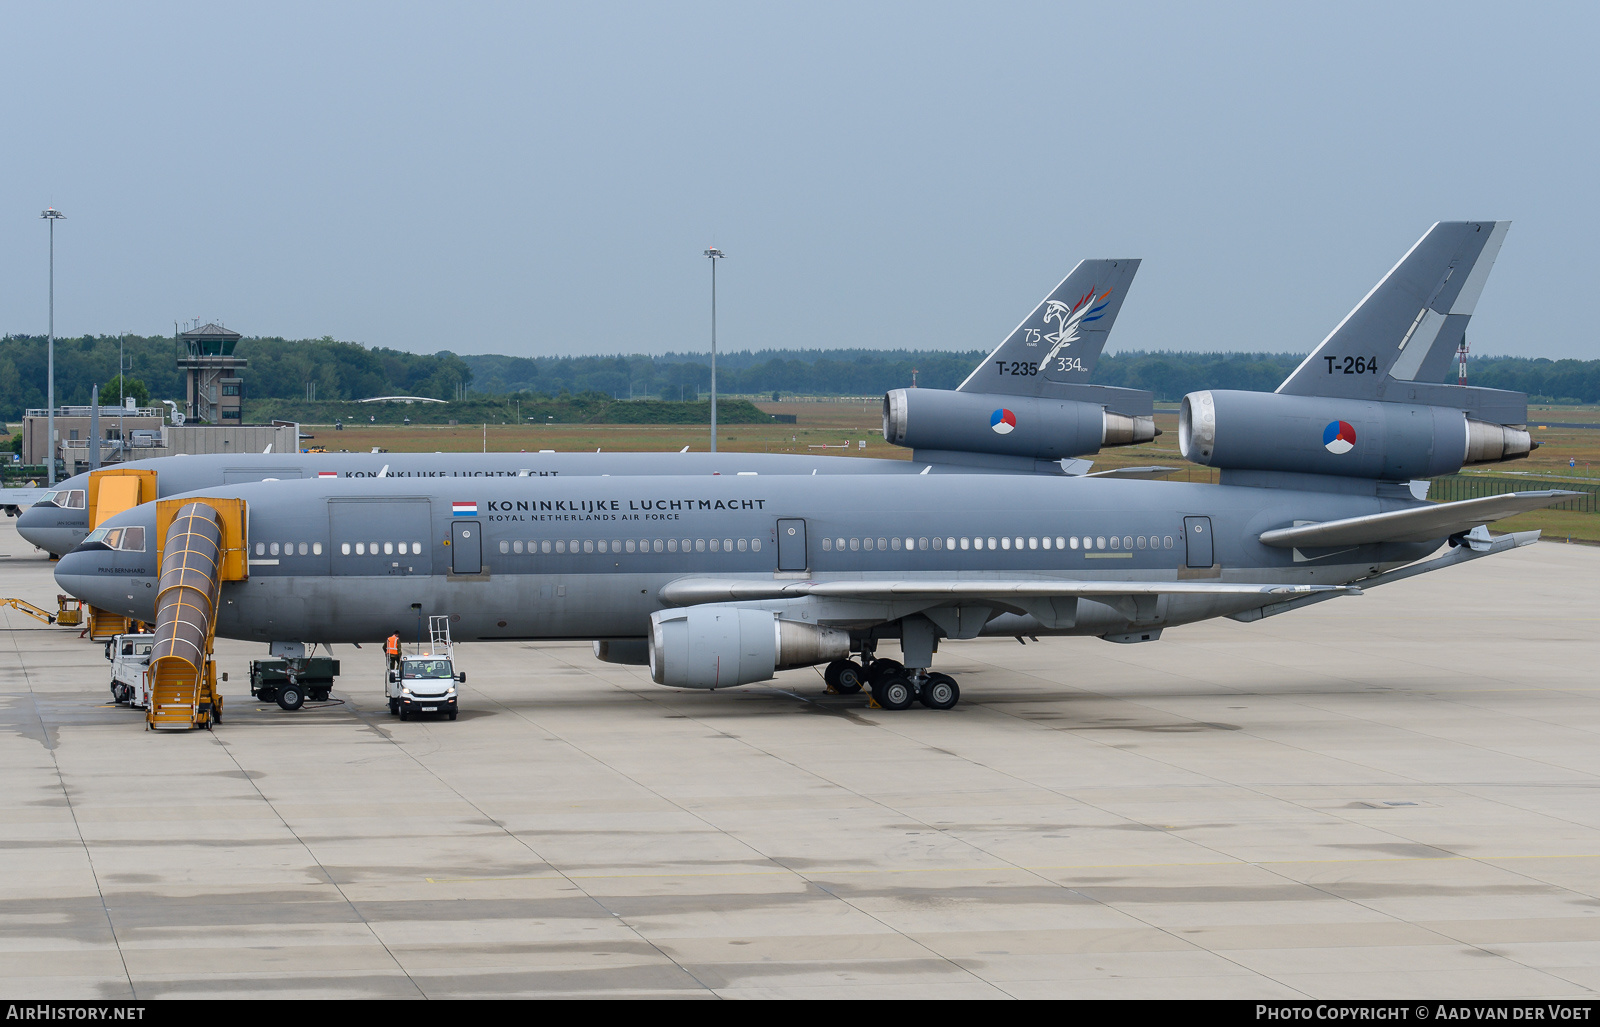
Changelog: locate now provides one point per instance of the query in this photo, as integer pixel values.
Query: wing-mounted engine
(1255, 431)
(719, 646)
(933, 422)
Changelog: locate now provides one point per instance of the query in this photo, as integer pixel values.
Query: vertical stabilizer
(1407, 327)
(1060, 342)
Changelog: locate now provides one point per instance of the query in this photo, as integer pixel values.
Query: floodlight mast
(52, 215)
(714, 254)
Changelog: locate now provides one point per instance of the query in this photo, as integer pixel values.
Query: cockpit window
(75, 499)
(127, 540)
(425, 669)
(48, 497)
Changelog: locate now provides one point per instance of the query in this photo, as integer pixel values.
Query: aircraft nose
(84, 574)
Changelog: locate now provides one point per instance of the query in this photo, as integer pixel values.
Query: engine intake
(1043, 429)
(722, 646)
(1258, 431)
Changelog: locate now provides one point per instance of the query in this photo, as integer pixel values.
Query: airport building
(211, 421)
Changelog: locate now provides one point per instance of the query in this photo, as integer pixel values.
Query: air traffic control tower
(215, 391)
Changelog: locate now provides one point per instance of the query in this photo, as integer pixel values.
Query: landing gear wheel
(883, 670)
(895, 693)
(290, 697)
(844, 677)
(940, 692)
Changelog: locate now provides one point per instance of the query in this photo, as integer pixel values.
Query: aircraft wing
(1418, 524)
(1149, 473)
(693, 591)
(20, 497)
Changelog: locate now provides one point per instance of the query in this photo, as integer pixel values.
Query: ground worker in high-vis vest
(393, 649)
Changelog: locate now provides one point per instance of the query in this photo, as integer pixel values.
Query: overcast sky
(533, 179)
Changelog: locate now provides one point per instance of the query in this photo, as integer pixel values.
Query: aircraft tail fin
(1060, 341)
(1405, 330)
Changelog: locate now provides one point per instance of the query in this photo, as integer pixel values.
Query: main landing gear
(893, 686)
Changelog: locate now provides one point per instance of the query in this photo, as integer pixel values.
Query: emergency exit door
(792, 545)
(1197, 542)
(466, 547)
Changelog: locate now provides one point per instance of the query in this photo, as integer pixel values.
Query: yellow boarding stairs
(201, 545)
(111, 491)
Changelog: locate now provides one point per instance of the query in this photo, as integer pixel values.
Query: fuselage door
(792, 545)
(466, 547)
(1197, 541)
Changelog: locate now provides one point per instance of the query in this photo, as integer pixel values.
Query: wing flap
(1417, 524)
(693, 591)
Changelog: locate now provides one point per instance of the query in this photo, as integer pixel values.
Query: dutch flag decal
(464, 509)
(327, 474)
(1003, 421)
(1339, 437)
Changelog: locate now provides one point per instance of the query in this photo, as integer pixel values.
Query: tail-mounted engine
(722, 646)
(1256, 431)
(1020, 426)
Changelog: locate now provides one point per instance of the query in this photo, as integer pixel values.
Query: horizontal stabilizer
(1149, 473)
(1417, 524)
(694, 591)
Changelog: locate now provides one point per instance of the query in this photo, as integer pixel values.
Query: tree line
(327, 370)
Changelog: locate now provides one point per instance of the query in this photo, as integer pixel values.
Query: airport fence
(1452, 487)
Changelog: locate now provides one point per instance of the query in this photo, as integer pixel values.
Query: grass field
(840, 429)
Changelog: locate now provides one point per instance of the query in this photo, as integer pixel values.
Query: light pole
(52, 215)
(714, 254)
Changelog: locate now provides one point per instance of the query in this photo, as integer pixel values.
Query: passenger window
(742, 544)
(316, 549)
(516, 546)
(855, 544)
(827, 544)
(895, 543)
(361, 549)
(544, 547)
(1073, 541)
(658, 545)
(1113, 541)
(1166, 542)
(672, 545)
(1127, 542)
(938, 543)
(588, 545)
(1140, 541)
(1100, 542)
(700, 545)
(388, 549)
(505, 547)
(616, 545)
(344, 549)
(991, 543)
(755, 545)
(261, 549)
(922, 543)
(727, 545)
(302, 549)
(631, 545)
(1061, 543)
(561, 545)
(965, 542)
(1005, 543)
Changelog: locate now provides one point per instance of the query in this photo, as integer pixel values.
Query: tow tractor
(270, 681)
(130, 668)
(425, 680)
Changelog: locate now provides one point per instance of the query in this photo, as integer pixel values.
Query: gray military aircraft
(722, 582)
(976, 427)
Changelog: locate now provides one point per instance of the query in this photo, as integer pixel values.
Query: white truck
(130, 666)
(425, 681)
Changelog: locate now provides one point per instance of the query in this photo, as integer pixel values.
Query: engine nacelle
(1043, 429)
(722, 646)
(1263, 431)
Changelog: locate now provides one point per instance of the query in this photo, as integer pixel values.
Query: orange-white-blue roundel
(1003, 421)
(1339, 437)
